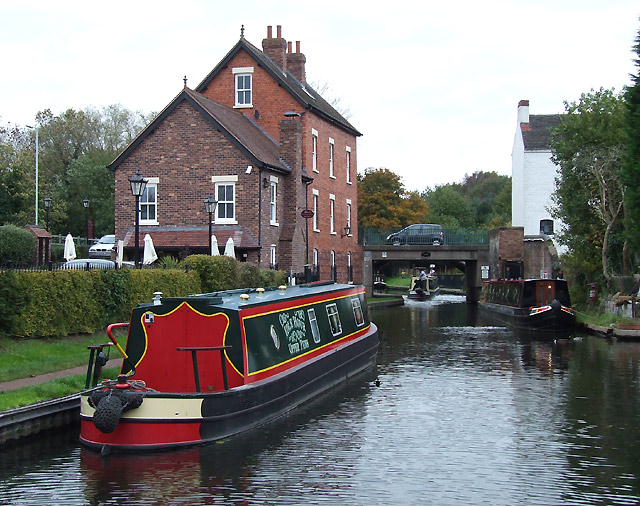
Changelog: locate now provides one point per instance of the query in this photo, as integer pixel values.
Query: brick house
(266, 146)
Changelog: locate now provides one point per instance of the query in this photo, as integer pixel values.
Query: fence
(369, 236)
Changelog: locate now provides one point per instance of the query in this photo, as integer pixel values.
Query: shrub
(11, 301)
(272, 278)
(216, 273)
(17, 245)
(249, 276)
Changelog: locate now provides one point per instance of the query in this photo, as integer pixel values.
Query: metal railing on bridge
(369, 236)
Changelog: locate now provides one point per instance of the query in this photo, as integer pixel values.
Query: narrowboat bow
(529, 304)
(205, 367)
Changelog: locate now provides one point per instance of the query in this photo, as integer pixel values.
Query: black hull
(554, 320)
(228, 413)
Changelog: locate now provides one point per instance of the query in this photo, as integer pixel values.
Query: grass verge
(22, 358)
(53, 389)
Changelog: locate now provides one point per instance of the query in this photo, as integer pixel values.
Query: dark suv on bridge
(420, 233)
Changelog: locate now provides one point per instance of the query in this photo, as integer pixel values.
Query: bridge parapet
(370, 236)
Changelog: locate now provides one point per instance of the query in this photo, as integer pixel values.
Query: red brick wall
(184, 151)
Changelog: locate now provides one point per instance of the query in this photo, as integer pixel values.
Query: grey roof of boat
(231, 299)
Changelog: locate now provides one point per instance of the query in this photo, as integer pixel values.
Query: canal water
(465, 413)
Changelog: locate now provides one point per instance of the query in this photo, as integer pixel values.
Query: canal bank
(43, 417)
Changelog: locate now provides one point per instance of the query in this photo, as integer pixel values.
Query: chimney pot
(289, 47)
(297, 46)
(269, 32)
(279, 31)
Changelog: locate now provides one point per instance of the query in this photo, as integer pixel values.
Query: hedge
(60, 303)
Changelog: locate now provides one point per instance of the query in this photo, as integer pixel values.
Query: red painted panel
(164, 368)
(134, 434)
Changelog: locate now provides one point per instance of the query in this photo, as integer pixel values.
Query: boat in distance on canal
(530, 304)
(205, 367)
(426, 288)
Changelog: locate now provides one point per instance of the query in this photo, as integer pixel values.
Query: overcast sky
(432, 85)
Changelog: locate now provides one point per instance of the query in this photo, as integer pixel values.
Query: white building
(533, 175)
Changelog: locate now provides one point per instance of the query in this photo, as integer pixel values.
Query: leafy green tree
(588, 146)
(383, 201)
(631, 166)
(449, 207)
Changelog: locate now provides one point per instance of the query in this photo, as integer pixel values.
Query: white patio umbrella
(149, 255)
(214, 245)
(229, 248)
(119, 253)
(69, 248)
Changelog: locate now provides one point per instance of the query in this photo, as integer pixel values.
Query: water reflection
(466, 413)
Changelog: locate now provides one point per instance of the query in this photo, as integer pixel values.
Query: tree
(631, 165)
(588, 146)
(383, 201)
(449, 207)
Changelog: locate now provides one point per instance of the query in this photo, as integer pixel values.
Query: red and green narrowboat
(205, 367)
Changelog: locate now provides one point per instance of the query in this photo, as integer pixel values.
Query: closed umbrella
(69, 248)
(149, 255)
(214, 245)
(119, 253)
(229, 248)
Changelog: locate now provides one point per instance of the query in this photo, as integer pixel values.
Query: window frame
(331, 158)
(152, 182)
(357, 311)
(332, 214)
(273, 201)
(332, 310)
(314, 150)
(242, 72)
(313, 323)
(315, 201)
(348, 164)
(219, 181)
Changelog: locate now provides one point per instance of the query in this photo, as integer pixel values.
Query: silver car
(103, 248)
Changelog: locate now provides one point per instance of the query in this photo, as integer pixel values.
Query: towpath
(42, 378)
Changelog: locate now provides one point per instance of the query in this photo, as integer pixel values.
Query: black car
(419, 233)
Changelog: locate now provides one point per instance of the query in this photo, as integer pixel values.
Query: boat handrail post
(194, 358)
(93, 361)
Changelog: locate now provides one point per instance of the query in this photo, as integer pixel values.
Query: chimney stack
(523, 112)
(276, 49)
(296, 63)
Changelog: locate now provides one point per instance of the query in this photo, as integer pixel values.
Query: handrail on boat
(115, 342)
(195, 349)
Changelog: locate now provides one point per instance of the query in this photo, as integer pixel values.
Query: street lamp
(36, 129)
(347, 231)
(85, 204)
(210, 205)
(47, 205)
(138, 185)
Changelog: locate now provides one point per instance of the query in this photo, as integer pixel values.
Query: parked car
(89, 263)
(419, 233)
(103, 248)
(93, 263)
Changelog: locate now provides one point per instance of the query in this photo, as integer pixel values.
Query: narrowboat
(423, 289)
(530, 304)
(205, 367)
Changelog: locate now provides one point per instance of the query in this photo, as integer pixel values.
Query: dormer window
(244, 86)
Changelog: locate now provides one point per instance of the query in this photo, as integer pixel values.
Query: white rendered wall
(517, 180)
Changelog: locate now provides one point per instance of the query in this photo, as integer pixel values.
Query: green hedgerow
(17, 245)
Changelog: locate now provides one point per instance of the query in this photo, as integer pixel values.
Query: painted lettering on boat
(295, 330)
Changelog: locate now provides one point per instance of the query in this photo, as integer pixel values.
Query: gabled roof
(536, 134)
(239, 129)
(303, 93)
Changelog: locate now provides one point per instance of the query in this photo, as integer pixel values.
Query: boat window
(334, 319)
(314, 325)
(357, 311)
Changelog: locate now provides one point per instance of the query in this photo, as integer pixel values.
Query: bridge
(468, 249)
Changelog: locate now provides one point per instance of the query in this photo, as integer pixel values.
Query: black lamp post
(138, 185)
(85, 203)
(347, 231)
(210, 205)
(47, 205)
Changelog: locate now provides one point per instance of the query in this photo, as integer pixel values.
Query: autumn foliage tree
(383, 202)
